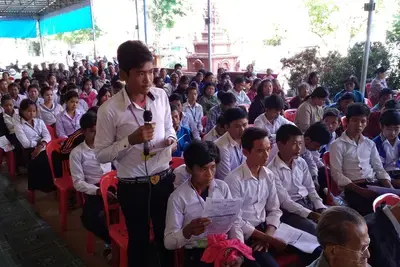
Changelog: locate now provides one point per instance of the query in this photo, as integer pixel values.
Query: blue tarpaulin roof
(25, 28)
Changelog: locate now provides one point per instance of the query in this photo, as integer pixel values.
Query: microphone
(147, 117)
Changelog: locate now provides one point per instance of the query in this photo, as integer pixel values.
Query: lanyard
(191, 111)
(199, 198)
(239, 158)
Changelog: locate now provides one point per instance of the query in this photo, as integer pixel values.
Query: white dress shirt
(351, 161)
(10, 121)
(260, 199)
(294, 184)
(241, 97)
(115, 122)
(65, 125)
(185, 205)
(392, 154)
(86, 170)
(211, 135)
(196, 112)
(263, 123)
(17, 102)
(30, 136)
(48, 115)
(188, 122)
(181, 175)
(231, 155)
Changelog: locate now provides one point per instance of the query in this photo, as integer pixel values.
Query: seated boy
(186, 120)
(316, 135)
(355, 161)
(384, 95)
(300, 203)
(272, 120)
(388, 142)
(86, 173)
(228, 100)
(193, 109)
(182, 133)
(230, 143)
(216, 132)
(332, 120)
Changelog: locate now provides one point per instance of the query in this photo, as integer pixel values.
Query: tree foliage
(319, 12)
(79, 36)
(163, 13)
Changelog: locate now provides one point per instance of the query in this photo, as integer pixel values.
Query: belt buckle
(155, 179)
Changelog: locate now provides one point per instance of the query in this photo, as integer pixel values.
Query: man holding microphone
(124, 132)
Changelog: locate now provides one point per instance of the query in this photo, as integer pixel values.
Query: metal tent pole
(137, 19)
(145, 20)
(209, 35)
(93, 31)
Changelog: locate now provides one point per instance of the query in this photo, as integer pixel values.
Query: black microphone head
(147, 116)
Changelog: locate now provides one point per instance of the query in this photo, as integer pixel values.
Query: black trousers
(193, 259)
(94, 218)
(359, 203)
(133, 199)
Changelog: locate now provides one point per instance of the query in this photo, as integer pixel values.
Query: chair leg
(31, 196)
(115, 254)
(64, 209)
(11, 164)
(90, 243)
(123, 258)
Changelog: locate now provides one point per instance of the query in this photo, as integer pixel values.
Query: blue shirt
(357, 95)
(184, 139)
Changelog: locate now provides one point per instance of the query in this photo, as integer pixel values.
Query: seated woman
(208, 100)
(67, 122)
(103, 96)
(49, 109)
(34, 136)
(88, 93)
(184, 225)
(257, 107)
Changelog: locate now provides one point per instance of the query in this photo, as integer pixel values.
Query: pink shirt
(89, 98)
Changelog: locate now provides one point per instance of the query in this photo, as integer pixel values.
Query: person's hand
(142, 134)
(314, 216)
(36, 152)
(235, 263)
(111, 197)
(366, 193)
(278, 244)
(196, 227)
(320, 211)
(260, 246)
(171, 141)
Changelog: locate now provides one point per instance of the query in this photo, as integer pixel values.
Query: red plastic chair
(118, 231)
(290, 114)
(333, 188)
(204, 121)
(176, 162)
(10, 159)
(288, 260)
(368, 102)
(344, 122)
(52, 132)
(388, 199)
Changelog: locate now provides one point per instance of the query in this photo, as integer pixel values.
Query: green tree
(163, 13)
(79, 36)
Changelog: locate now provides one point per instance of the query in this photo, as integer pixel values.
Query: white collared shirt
(231, 155)
(49, 116)
(241, 97)
(211, 135)
(17, 102)
(351, 161)
(188, 122)
(313, 160)
(263, 123)
(10, 121)
(30, 136)
(86, 170)
(196, 112)
(392, 154)
(65, 125)
(294, 184)
(169, 88)
(185, 205)
(260, 199)
(115, 122)
(181, 175)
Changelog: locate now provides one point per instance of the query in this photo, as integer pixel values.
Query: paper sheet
(223, 213)
(297, 238)
(5, 144)
(383, 190)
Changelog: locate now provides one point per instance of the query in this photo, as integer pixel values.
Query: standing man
(122, 132)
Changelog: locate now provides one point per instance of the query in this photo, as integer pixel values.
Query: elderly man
(343, 235)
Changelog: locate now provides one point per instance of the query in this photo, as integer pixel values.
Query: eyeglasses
(361, 253)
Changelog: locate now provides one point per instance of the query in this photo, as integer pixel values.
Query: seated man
(185, 228)
(272, 119)
(230, 143)
(86, 173)
(193, 109)
(216, 132)
(343, 235)
(186, 120)
(182, 133)
(298, 198)
(355, 161)
(383, 229)
(228, 100)
(384, 95)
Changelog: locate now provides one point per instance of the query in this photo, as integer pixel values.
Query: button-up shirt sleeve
(181, 175)
(272, 207)
(303, 117)
(60, 126)
(22, 138)
(77, 174)
(169, 129)
(246, 99)
(336, 161)
(312, 193)
(211, 119)
(193, 128)
(173, 235)
(376, 164)
(224, 166)
(106, 148)
(308, 157)
(46, 137)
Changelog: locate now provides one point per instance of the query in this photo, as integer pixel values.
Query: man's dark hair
(12, 85)
(318, 132)
(333, 226)
(331, 112)
(238, 80)
(319, 92)
(88, 120)
(156, 79)
(274, 102)
(347, 96)
(33, 86)
(201, 153)
(173, 108)
(233, 114)
(385, 92)
(5, 98)
(252, 134)
(390, 117)
(178, 65)
(175, 97)
(133, 54)
(357, 109)
(93, 109)
(51, 74)
(227, 98)
(191, 88)
(208, 74)
(380, 70)
(71, 94)
(287, 131)
(184, 79)
(45, 89)
(221, 121)
(392, 104)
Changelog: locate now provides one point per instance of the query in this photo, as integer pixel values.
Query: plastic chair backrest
(344, 122)
(52, 132)
(53, 146)
(108, 180)
(176, 162)
(204, 121)
(388, 199)
(332, 186)
(368, 102)
(290, 114)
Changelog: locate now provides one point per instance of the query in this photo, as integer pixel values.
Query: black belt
(154, 179)
(395, 174)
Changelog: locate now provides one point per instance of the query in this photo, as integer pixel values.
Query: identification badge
(155, 179)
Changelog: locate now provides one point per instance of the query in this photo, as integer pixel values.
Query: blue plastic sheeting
(23, 28)
(66, 22)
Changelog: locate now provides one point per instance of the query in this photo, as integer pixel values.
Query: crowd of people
(236, 142)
